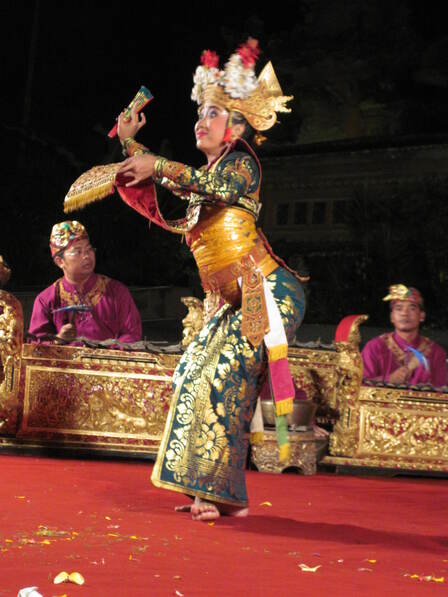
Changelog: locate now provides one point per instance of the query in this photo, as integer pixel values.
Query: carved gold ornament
(193, 322)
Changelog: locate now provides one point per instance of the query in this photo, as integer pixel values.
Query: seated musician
(403, 356)
(82, 303)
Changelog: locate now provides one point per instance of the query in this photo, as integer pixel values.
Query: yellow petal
(372, 561)
(439, 579)
(108, 518)
(20, 497)
(46, 542)
(211, 524)
(306, 568)
(61, 577)
(76, 578)
(266, 504)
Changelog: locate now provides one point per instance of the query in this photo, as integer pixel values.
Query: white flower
(202, 77)
(239, 82)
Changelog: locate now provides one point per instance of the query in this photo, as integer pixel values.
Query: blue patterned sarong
(216, 384)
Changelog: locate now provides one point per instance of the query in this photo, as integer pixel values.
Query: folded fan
(143, 97)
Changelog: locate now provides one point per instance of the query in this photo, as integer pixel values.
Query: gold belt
(213, 282)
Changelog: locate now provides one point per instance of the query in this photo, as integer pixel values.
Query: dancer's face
(210, 129)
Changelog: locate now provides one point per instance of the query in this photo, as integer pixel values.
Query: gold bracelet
(126, 142)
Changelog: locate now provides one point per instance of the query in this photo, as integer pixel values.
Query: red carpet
(105, 520)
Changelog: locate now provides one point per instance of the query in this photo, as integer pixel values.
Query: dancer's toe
(204, 511)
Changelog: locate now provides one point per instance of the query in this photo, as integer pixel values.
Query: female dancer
(253, 302)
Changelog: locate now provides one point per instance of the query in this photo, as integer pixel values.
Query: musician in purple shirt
(82, 303)
(403, 356)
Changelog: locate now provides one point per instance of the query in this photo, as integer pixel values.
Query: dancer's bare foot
(203, 510)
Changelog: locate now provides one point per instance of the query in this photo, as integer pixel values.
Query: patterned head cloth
(236, 88)
(400, 292)
(64, 234)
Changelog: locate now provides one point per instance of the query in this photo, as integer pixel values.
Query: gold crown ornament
(236, 88)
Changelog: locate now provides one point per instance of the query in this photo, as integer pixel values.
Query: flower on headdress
(210, 59)
(206, 74)
(239, 73)
(249, 52)
(239, 80)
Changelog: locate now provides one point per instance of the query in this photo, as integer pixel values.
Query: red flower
(249, 52)
(209, 59)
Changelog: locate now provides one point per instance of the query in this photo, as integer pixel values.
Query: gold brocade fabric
(233, 179)
(203, 450)
(221, 238)
(91, 297)
(255, 323)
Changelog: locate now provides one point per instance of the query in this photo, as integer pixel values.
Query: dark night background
(70, 67)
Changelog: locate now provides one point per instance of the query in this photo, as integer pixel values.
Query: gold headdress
(64, 234)
(400, 292)
(237, 89)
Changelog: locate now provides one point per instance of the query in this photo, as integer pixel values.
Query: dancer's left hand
(129, 128)
(138, 168)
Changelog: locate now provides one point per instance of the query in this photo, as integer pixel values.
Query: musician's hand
(129, 128)
(138, 168)
(67, 332)
(400, 375)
